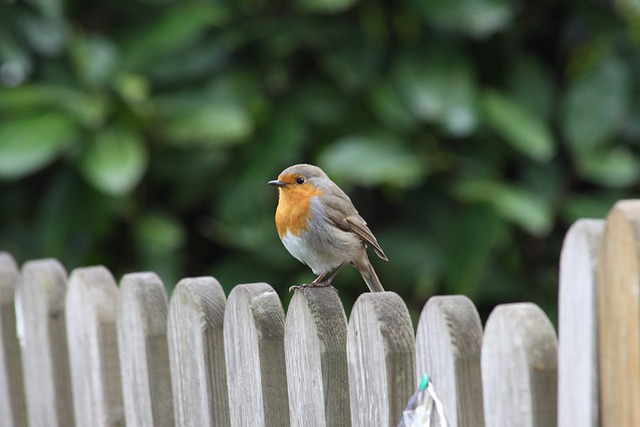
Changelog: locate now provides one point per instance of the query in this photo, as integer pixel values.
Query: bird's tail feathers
(369, 274)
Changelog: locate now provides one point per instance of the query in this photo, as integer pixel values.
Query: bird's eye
(300, 180)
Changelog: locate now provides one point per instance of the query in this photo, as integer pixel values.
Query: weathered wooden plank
(254, 350)
(144, 352)
(380, 353)
(93, 347)
(578, 394)
(196, 347)
(13, 411)
(448, 344)
(519, 367)
(619, 316)
(45, 355)
(316, 354)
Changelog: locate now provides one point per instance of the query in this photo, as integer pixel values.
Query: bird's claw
(313, 285)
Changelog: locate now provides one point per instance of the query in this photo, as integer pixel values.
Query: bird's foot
(324, 284)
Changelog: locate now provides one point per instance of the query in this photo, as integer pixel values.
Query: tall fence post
(578, 394)
(143, 350)
(93, 347)
(196, 346)
(254, 350)
(619, 316)
(315, 346)
(380, 353)
(448, 344)
(13, 411)
(45, 355)
(519, 368)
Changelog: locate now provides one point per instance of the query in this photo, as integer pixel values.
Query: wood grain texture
(316, 355)
(254, 349)
(519, 367)
(380, 354)
(578, 394)
(143, 350)
(196, 347)
(46, 360)
(448, 344)
(619, 316)
(13, 411)
(93, 347)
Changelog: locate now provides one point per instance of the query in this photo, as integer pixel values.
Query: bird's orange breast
(294, 209)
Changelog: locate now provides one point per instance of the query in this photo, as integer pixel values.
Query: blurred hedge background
(469, 133)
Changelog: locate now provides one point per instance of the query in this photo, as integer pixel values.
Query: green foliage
(470, 134)
(523, 130)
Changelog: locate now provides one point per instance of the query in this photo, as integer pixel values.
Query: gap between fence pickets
(227, 361)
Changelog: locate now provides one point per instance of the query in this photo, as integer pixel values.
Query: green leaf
(69, 211)
(88, 108)
(28, 144)
(610, 166)
(328, 106)
(354, 62)
(115, 161)
(473, 234)
(531, 86)
(132, 87)
(478, 18)
(47, 34)
(95, 58)
(48, 8)
(159, 239)
(596, 104)
(372, 161)
(160, 233)
(439, 86)
(324, 6)
(179, 27)
(389, 108)
(524, 130)
(213, 123)
(516, 204)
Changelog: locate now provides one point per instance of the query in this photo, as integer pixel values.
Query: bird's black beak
(277, 183)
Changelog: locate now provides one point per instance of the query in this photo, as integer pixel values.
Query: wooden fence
(81, 350)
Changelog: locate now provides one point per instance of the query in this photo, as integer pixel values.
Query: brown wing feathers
(348, 219)
(358, 225)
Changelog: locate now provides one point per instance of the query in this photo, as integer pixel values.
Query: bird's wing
(341, 212)
(357, 224)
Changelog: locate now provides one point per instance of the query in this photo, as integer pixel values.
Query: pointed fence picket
(83, 351)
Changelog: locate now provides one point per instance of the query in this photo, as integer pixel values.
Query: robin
(321, 228)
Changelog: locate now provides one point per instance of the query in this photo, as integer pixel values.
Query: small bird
(321, 228)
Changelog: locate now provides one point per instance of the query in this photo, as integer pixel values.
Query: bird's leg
(330, 279)
(318, 279)
(318, 282)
